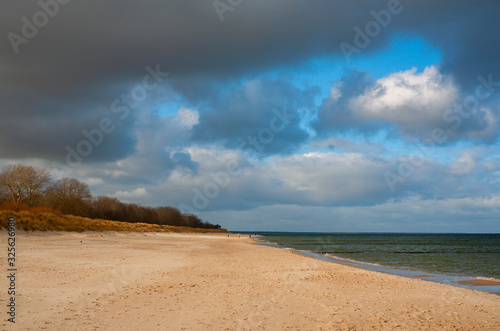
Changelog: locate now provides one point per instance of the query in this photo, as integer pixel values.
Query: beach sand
(146, 281)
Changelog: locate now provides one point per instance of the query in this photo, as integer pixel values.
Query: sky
(276, 115)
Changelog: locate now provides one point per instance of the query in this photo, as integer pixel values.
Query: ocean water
(470, 255)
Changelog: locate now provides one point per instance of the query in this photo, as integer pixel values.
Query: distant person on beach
(238, 236)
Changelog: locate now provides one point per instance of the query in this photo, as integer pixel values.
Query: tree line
(28, 186)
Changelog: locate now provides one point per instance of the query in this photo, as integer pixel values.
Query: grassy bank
(45, 221)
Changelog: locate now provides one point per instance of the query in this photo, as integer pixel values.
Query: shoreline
(197, 282)
(479, 283)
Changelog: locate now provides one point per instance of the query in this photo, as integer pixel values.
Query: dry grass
(47, 221)
(16, 206)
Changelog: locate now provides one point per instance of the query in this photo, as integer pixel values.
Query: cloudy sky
(286, 115)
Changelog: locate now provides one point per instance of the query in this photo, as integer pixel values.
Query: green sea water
(475, 255)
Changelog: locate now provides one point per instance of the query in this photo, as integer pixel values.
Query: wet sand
(132, 281)
(480, 282)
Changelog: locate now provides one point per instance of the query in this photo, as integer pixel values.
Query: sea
(443, 258)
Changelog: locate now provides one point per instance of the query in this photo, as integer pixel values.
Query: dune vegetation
(44, 219)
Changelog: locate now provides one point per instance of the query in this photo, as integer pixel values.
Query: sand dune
(146, 281)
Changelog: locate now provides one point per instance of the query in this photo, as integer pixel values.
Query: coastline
(197, 281)
(473, 282)
(484, 284)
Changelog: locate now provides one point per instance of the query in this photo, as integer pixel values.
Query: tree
(23, 184)
(169, 216)
(3, 195)
(108, 208)
(192, 221)
(69, 196)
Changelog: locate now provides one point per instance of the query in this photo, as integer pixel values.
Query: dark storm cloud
(94, 41)
(465, 33)
(42, 126)
(89, 41)
(56, 84)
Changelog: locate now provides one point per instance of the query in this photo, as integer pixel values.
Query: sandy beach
(147, 281)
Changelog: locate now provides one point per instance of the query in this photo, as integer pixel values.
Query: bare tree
(3, 195)
(109, 209)
(69, 196)
(169, 216)
(23, 184)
